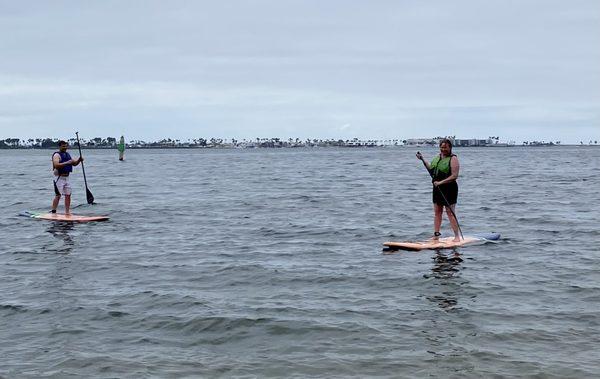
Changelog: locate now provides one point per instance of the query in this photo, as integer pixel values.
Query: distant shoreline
(271, 143)
(284, 147)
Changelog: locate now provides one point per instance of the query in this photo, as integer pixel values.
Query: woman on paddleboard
(444, 171)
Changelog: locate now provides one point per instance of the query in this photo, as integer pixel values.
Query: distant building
(421, 142)
(471, 142)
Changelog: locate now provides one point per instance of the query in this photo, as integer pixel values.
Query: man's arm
(76, 161)
(72, 162)
(56, 162)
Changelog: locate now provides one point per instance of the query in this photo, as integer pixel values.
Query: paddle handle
(82, 166)
(88, 193)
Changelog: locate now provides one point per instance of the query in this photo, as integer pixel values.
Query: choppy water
(268, 263)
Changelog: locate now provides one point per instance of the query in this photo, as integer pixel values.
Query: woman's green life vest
(440, 167)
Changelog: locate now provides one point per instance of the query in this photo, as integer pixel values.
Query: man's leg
(67, 204)
(55, 203)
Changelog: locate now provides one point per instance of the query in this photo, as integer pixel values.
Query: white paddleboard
(64, 217)
(442, 243)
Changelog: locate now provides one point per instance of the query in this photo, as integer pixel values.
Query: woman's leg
(453, 222)
(437, 218)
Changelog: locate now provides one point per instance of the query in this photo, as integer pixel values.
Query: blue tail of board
(488, 236)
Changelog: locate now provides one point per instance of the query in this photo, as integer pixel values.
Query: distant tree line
(111, 142)
(49, 143)
(274, 142)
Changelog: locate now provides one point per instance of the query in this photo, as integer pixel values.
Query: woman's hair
(446, 140)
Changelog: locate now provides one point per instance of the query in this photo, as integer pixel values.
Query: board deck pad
(64, 217)
(442, 243)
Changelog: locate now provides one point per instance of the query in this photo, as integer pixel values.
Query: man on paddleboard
(62, 165)
(444, 171)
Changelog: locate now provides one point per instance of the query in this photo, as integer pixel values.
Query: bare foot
(456, 239)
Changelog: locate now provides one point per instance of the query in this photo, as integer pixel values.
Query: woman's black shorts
(450, 191)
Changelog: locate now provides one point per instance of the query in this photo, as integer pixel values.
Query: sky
(521, 70)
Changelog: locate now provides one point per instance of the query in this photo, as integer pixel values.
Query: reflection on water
(446, 268)
(60, 231)
(444, 291)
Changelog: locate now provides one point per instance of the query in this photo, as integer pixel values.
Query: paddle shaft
(90, 197)
(445, 200)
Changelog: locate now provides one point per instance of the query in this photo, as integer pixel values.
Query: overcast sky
(520, 70)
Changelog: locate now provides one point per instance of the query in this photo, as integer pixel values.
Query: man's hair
(61, 142)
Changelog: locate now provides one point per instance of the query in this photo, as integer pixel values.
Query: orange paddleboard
(64, 217)
(442, 243)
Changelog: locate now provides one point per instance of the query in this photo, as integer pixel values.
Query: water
(268, 263)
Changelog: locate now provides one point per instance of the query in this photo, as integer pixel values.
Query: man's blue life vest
(64, 157)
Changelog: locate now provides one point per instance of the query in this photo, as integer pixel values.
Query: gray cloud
(327, 69)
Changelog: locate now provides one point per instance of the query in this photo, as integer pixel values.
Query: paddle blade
(90, 197)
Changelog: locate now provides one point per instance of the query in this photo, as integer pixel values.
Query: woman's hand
(419, 156)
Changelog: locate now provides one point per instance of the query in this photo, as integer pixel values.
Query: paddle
(444, 198)
(56, 192)
(90, 197)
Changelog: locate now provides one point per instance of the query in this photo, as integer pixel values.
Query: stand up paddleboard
(442, 243)
(64, 217)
